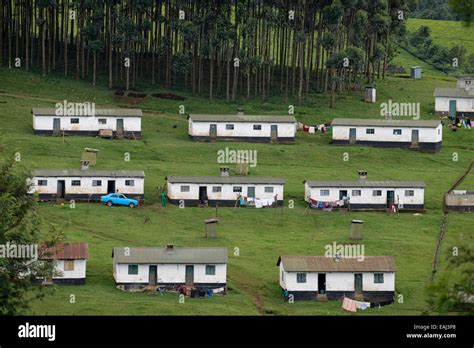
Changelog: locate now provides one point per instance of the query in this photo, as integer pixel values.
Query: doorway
(120, 126)
(111, 186)
(189, 279)
(152, 275)
(251, 191)
(274, 132)
(202, 194)
(390, 198)
(358, 283)
(213, 131)
(352, 135)
(342, 194)
(61, 189)
(322, 283)
(452, 108)
(414, 138)
(56, 126)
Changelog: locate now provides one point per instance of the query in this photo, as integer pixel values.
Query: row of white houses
(304, 277)
(457, 101)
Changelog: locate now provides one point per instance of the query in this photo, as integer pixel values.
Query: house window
(324, 192)
(69, 265)
(370, 131)
(376, 192)
(301, 277)
(42, 182)
(210, 270)
(96, 182)
(74, 121)
(269, 189)
(216, 188)
(102, 121)
(185, 189)
(378, 278)
(356, 192)
(257, 127)
(282, 276)
(76, 183)
(409, 193)
(133, 269)
(397, 132)
(237, 189)
(129, 182)
(229, 126)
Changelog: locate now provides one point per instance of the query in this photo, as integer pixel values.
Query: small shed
(370, 94)
(356, 229)
(415, 72)
(89, 154)
(242, 168)
(211, 227)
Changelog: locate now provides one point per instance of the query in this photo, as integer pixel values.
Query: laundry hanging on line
(326, 205)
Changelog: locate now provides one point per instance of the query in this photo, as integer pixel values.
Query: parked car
(119, 199)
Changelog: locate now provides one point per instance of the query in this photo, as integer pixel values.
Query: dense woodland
(225, 49)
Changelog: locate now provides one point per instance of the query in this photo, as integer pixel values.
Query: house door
(111, 186)
(342, 194)
(352, 135)
(322, 283)
(274, 132)
(213, 131)
(189, 275)
(120, 126)
(152, 275)
(414, 138)
(202, 193)
(56, 126)
(452, 107)
(251, 191)
(390, 198)
(358, 283)
(61, 189)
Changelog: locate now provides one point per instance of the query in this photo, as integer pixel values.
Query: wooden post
(235, 206)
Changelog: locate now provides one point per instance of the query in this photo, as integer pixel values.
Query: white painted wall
(86, 185)
(79, 271)
(170, 273)
(241, 129)
(366, 196)
(174, 191)
(428, 135)
(87, 123)
(462, 104)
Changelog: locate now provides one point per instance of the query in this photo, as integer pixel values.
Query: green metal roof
(163, 255)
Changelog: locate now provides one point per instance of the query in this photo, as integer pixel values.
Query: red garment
(305, 128)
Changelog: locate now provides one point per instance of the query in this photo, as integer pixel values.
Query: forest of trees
(213, 48)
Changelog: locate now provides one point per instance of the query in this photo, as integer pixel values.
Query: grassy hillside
(260, 235)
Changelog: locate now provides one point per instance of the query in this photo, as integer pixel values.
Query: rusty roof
(61, 251)
(329, 264)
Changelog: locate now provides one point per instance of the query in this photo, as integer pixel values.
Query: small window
(370, 131)
(324, 192)
(210, 270)
(301, 277)
(397, 132)
(216, 188)
(378, 278)
(185, 188)
(356, 192)
(74, 121)
(237, 189)
(257, 127)
(42, 182)
(409, 193)
(439, 131)
(129, 182)
(76, 183)
(229, 126)
(133, 269)
(377, 193)
(96, 182)
(282, 276)
(102, 121)
(69, 265)
(269, 189)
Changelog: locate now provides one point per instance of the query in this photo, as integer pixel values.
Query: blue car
(119, 199)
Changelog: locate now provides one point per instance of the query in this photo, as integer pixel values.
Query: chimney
(362, 175)
(240, 111)
(169, 248)
(84, 165)
(224, 171)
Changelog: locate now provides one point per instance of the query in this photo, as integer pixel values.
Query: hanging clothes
(349, 305)
(311, 130)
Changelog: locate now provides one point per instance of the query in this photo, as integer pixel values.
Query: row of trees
(212, 47)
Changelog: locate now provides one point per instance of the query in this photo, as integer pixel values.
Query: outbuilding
(316, 277)
(85, 185)
(421, 135)
(223, 190)
(364, 194)
(460, 201)
(240, 127)
(457, 101)
(70, 261)
(121, 122)
(169, 267)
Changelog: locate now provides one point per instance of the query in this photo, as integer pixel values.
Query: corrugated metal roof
(329, 264)
(363, 183)
(88, 173)
(225, 180)
(385, 123)
(161, 255)
(242, 118)
(454, 92)
(61, 251)
(98, 112)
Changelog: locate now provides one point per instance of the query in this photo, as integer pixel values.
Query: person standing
(163, 199)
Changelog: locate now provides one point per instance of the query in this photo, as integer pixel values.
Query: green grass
(260, 235)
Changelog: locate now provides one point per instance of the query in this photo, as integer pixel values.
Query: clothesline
(314, 128)
(315, 204)
(257, 202)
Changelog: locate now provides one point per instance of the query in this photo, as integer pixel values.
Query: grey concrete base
(368, 296)
(280, 140)
(81, 197)
(424, 147)
(211, 203)
(126, 134)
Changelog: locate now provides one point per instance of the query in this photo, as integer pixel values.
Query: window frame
(102, 121)
(97, 183)
(377, 277)
(397, 131)
(75, 183)
(42, 182)
(229, 126)
(185, 188)
(370, 131)
(69, 265)
(208, 268)
(237, 187)
(129, 182)
(130, 267)
(409, 193)
(257, 127)
(73, 120)
(323, 192)
(359, 193)
(269, 189)
(216, 189)
(299, 276)
(376, 195)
